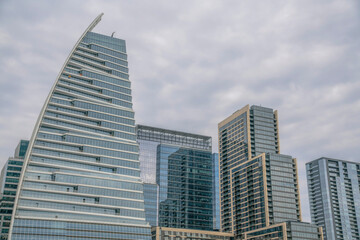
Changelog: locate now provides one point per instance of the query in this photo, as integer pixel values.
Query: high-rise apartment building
(334, 194)
(242, 137)
(258, 185)
(9, 180)
(264, 192)
(81, 174)
(179, 166)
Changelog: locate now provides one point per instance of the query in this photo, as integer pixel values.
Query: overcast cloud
(193, 63)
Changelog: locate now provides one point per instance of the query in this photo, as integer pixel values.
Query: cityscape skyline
(304, 115)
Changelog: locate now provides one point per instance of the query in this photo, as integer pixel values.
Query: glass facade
(9, 180)
(265, 192)
(334, 195)
(216, 193)
(81, 177)
(249, 196)
(151, 199)
(263, 131)
(185, 188)
(233, 150)
(147, 157)
(180, 165)
(303, 231)
(277, 231)
(283, 188)
(21, 149)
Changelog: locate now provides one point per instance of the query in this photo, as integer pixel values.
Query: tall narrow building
(243, 136)
(81, 174)
(259, 188)
(9, 180)
(216, 193)
(334, 194)
(178, 166)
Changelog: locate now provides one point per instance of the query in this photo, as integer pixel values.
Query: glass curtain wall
(81, 177)
(185, 188)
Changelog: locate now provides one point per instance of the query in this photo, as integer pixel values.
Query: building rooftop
(173, 137)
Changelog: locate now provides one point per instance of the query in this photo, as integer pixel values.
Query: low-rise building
(165, 233)
(286, 231)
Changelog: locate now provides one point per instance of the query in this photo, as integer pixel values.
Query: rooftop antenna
(112, 35)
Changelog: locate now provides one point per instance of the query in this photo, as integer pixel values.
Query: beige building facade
(164, 233)
(259, 187)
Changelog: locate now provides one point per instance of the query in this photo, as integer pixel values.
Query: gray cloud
(193, 63)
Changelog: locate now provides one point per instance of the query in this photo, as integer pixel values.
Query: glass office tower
(334, 194)
(184, 177)
(258, 185)
(9, 180)
(81, 174)
(180, 165)
(216, 193)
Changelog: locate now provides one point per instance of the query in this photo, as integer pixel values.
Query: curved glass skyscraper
(81, 176)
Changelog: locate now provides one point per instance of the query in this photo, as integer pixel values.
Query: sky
(194, 63)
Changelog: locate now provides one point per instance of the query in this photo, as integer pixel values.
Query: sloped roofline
(41, 115)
